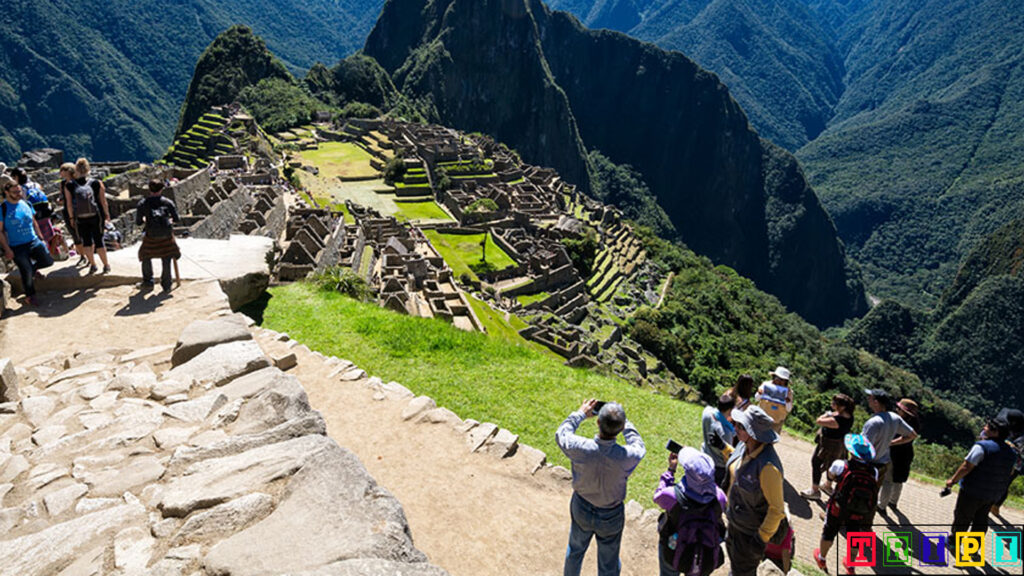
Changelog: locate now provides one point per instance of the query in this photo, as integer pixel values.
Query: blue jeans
(603, 523)
(29, 257)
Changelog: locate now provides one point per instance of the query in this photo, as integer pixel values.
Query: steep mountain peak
(235, 59)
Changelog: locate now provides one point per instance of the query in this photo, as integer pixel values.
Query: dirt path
(474, 514)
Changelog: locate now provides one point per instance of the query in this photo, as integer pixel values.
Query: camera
(673, 446)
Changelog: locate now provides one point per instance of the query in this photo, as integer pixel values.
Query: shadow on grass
(257, 307)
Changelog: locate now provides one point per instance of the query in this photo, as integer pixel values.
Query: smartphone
(673, 446)
(597, 406)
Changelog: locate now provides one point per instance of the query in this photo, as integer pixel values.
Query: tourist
(775, 396)
(157, 216)
(743, 391)
(86, 201)
(983, 476)
(852, 504)
(834, 425)
(67, 177)
(112, 237)
(1016, 439)
(691, 529)
(755, 503)
(600, 470)
(901, 454)
(885, 429)
(21, 239)
(719, 434)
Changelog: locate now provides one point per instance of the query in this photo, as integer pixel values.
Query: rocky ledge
(120, 462)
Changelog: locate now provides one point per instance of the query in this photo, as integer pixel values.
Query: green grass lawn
(339, 159)
(461, 251)
(428, 210)
(527, 299)
(486, 378)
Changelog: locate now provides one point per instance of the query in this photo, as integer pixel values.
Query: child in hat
(852, 504)
(692, 528)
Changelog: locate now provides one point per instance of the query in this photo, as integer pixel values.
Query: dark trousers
(745, 553)
(165, 272)
(29, 257)
(1013, 476)
(970, 514)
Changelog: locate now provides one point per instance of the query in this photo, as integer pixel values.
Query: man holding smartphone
(600, 471)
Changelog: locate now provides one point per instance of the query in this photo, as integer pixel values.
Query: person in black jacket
(158, 215)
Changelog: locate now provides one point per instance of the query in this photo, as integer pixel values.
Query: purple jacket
(665, 495)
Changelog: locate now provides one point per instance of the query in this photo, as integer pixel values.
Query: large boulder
(41, 158)
(331, 509)
(202, 334)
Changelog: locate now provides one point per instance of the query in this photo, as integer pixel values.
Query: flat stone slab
(222, 364)
(203, 334)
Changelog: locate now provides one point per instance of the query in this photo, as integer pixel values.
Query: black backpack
(698, 535)
(84, 198)
(159, 220)
(856, 494)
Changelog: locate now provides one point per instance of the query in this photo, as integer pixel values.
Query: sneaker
(81, 261)
(145, 285)
(820, 560)
(31, 301)
(811, 494)
(849, 569)
(93, 269)
(827, 488)
(106, 269)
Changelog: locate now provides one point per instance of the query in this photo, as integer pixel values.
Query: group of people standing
(28, 237)
(731, 492)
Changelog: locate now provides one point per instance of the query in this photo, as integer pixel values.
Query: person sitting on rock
(21, 239)
(600, 470)
(691, 529)
(775, 397)
(853, 502)
(157, 215)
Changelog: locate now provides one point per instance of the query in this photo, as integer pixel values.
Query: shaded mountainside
(105, 79)
(972, 345)
(777, 58)
(551, 89)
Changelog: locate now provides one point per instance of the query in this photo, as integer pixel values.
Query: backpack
(159, 222)
(696, 535)
(84, 199)
(856, 494)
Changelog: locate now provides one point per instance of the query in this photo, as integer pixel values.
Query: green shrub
(483, 205)
(343, 280)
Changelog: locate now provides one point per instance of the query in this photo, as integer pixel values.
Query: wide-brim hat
(860, 447)
(908, 406)
(757, 423)
(781, 372)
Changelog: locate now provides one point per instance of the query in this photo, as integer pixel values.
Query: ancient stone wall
(224, 216)
(187, 190)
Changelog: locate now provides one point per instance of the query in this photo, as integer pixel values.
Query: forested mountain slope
(105, 78)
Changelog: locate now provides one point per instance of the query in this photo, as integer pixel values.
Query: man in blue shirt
(600, 470)
(20, 237)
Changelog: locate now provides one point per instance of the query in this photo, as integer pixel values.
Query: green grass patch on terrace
(527, 299)
(339, 159)
(462, 252)
(428, 210)
(479, 376)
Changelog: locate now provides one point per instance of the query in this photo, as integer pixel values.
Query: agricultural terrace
(421, 209)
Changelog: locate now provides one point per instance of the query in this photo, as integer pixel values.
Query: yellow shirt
(771, 487)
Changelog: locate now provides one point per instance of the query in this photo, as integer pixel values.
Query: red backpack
(856, 494)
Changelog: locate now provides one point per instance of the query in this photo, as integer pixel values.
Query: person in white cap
(775, 396)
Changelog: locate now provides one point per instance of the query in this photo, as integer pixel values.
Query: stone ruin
(204, 459)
